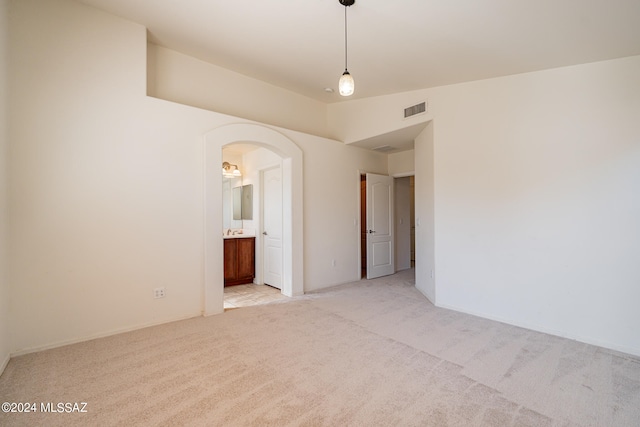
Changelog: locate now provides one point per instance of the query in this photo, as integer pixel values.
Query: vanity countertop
(238, 234)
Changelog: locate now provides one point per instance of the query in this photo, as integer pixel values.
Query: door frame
(262, 211)
(373, 239)
(360, 173)
(292, 209)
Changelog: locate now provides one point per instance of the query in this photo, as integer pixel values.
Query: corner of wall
(4, 287)
(402, 163)
(424, 207)
(151, 69)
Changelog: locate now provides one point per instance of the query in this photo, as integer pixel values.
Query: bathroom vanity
(239, 242)
(239, 259)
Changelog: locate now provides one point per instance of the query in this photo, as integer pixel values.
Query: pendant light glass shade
(346, 85)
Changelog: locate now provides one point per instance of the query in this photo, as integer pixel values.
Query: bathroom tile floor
(248, 295)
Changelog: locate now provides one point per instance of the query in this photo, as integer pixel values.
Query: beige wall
(402, 216)
(525, 189)
(331, 217)
(180, 78)
(332, 210)
(402, 163)
(5, 347)
(106, 184)
(533, 179)
(536, 218)
(362, 119)
(425, 236)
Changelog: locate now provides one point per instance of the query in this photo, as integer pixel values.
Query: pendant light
(346, 85)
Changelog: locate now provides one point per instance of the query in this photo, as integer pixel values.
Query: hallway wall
(402, 195)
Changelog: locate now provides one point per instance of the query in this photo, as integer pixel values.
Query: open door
(272, 227)
(380, 225)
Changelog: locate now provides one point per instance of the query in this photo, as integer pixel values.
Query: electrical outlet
(159, 292)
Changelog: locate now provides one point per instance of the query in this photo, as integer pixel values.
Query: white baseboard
(96, 336)
(586, 340)
(4, 363)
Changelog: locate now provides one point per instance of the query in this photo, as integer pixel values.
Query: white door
(272, 227)
(380, 256)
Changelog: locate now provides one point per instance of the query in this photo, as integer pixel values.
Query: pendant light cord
(345, 38)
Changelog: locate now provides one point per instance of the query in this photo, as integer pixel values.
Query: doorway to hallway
(403, 224)
(377, 225)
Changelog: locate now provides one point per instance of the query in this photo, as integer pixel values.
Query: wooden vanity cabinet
(239, 261)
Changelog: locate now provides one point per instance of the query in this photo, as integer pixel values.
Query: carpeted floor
(371, 353)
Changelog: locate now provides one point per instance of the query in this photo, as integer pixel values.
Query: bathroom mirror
(247, 201)
(237, 203)
(228, 186)
(243, 202)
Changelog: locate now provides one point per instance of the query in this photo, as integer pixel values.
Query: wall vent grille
(415, 109)
(383, 148)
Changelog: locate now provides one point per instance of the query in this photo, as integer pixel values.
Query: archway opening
(292, 205)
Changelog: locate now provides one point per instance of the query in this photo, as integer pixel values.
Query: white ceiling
(394, 46)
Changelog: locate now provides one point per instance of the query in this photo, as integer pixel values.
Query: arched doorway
(292, 233)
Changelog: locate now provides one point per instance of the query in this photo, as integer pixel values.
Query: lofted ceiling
(394, 46)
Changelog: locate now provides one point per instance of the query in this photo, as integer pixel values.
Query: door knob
(371, 231)
(264, 233)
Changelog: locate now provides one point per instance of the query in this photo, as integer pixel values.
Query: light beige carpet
(371, 353)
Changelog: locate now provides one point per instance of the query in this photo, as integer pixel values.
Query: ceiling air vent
(415, 109)
(383, 148)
